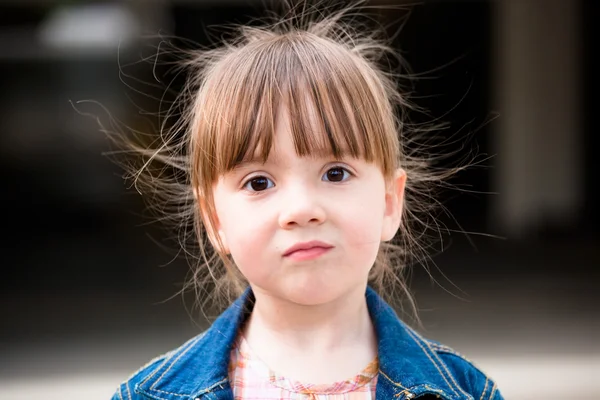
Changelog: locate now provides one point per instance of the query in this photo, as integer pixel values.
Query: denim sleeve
(489, 391)
(476, 383)
(498, 396)
(118, 395)
(123, 392)
(469, 377)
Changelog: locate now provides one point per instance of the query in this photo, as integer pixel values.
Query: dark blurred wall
(62, 189)
(589, 67)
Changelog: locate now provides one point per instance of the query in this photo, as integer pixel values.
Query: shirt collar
(408, 365)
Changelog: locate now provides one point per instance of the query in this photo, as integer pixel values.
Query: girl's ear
(219, 241)
(394, 203)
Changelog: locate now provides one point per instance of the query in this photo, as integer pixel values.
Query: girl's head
(293, 139)
(292, 134)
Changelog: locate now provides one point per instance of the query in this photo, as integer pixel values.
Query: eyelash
(249, 181)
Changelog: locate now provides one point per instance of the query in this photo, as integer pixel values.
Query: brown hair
(312, 64)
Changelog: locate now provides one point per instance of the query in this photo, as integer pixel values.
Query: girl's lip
(306, 246)
(307, 254)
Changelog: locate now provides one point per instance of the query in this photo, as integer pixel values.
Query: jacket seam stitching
(149, 363)
(484, 388)
(128, 391)
(404, 390)
(443, 348)
(415, 338)
(448, 372)
(392, 381)
(446, 369)
(164, 361)
(171, 393)
(493, 392)
(449, 350)
(171, 364)
(120, 395)
(208, 389)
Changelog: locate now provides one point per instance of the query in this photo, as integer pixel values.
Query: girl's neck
(339, 333)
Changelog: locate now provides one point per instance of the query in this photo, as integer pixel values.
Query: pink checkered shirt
(251, 379)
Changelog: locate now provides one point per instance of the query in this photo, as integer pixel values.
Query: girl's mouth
(307, 250)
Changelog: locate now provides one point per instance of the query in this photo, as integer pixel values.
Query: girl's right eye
(258, 184)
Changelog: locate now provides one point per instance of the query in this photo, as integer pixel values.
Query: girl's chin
(313, 295)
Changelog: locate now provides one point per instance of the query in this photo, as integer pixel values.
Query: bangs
(333, 102)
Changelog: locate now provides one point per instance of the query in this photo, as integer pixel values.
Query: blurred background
(88, 287)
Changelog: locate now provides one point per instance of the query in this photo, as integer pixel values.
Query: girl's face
(336, 211)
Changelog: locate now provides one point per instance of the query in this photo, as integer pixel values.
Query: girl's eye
(336, 174)
(258, 184)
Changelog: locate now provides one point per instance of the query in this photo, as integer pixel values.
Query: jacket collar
(408, 365)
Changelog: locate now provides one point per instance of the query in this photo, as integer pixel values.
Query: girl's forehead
(286, 140)
(284, 147)
(287, 136)
(311, 119)
(317, 103)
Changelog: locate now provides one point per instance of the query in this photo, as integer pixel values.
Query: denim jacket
(410, 367)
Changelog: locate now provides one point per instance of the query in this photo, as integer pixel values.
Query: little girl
(296, 175)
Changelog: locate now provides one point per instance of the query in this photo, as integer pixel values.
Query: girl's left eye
(336, 174)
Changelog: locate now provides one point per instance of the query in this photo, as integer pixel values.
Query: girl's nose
(300, 207)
